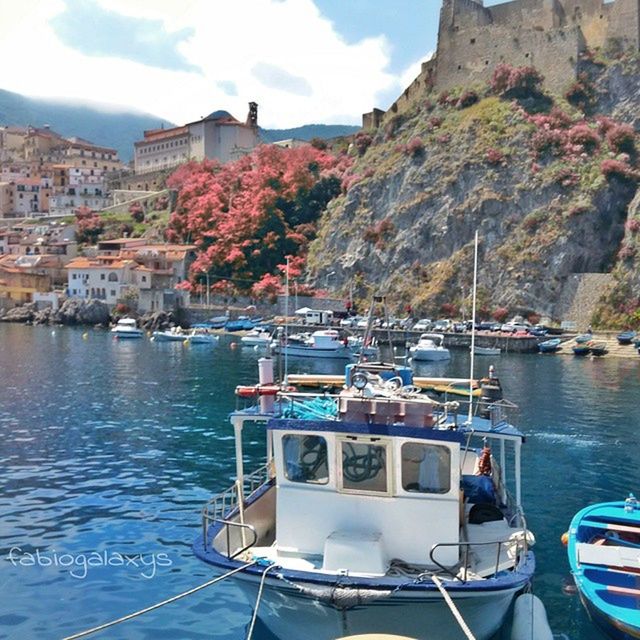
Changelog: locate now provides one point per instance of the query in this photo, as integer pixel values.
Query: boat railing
(518, 545)
(218, 508)
(502, 411)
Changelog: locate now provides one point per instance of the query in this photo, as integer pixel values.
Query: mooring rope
(453, 608)
(255, 609)
(130, 616)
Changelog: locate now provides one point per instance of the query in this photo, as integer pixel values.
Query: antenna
(286, 327)
(473, 325)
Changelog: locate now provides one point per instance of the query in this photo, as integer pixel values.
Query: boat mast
(473, 325)
(286, 326)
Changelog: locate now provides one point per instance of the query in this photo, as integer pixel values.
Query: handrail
(467, 547)
(218, 508)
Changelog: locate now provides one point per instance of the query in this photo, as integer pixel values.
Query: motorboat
(430, 347)
(257, 337)
(549, 346)
(201, 336)
(127, 328)
(324, 343)
(626, 337)
(378, 510)
(486, 351)
(175, 334)
(603, 544)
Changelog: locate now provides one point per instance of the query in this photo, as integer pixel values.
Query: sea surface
(108, 450)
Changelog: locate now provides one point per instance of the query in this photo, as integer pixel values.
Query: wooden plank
(610, 525)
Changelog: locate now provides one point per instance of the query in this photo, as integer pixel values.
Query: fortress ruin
(547, 34)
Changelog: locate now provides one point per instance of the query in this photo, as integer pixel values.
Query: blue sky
(303, 61)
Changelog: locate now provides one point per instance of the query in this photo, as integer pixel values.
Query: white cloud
(229, 40)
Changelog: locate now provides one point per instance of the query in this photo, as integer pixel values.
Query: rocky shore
(76, 312)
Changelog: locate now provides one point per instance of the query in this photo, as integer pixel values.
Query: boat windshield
(305, 458)
(426, 468)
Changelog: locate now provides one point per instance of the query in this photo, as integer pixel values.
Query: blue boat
(375, 509)
(585, 337)
(243, 323)
(583, 349)
(626, 337)
(603, 548)
(549, 346)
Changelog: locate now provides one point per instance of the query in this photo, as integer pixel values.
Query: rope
(255, 609)
(454, 609)
(136, 614)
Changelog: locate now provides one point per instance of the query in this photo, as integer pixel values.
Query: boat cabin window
(305, 459)
(426, 468)
(364, 466)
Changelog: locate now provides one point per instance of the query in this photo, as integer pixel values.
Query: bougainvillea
(89, 225)
(245, 217)
(621, 138)
(515, 82)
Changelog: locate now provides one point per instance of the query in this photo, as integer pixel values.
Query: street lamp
(326, 279)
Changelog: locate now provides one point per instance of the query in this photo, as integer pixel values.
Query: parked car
(511, 327)
(442, 325)
(351, 321)
(361, 323)
(460, 327)
(423, 324)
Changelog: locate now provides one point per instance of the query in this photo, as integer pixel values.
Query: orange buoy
(233, 345)
(564, 538)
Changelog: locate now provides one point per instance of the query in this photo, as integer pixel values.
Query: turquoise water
(108, 449)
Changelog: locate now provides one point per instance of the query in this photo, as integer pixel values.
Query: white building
(219, 136)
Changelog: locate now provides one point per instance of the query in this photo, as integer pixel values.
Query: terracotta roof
(162, 134)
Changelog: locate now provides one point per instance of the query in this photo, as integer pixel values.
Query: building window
(102, 276)
(472, 41)
(305, 459)
(113, 293)
(113, 277)
(73, 276)
(144, 278)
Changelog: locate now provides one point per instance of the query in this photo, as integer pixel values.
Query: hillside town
(46, 178)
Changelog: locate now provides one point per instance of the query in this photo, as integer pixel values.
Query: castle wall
(624, 22)
(472, 55)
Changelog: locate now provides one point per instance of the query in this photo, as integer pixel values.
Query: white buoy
(530, 619)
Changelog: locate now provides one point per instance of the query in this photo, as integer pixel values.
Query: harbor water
(109, 448)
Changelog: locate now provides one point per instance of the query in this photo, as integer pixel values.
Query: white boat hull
(432, 355)
(255, 342)
(127, 334)
(424, 617)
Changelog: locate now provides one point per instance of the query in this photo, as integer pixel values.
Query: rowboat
(486, 351)
(549, 346)
(626, 337)
(604, 552)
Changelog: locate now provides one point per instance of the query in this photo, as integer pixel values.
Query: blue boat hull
(609, 592)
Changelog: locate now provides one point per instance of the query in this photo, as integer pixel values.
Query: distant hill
(308, 131)
(117, 130)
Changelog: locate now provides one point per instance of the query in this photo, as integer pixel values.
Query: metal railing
(221, 506)
(465, 548)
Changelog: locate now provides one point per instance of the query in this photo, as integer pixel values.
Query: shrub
(580, 94)
(467, 99)
(434, 122)
(515, 82)
(621, 138)
(549, 140)
(627, 252)
(500, 314)
(318, 143)
(633, 225)
(449, 309)
(534, 318)
(566, 177)
(443, 99)
(415, 147)
(443, 139)
(494, 156)
(584, 135)
(362, 142)
(616, 169)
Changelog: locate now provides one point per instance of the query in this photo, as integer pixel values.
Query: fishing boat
(583, 338)
(604, 547)
(430, 347)
(365, 346)
(127, 328)
(626, 337)
(378, 510)
(175, 334)
(258, 336)
(598, 348)
(216, 322)
(582, 349)
(486, 351)
(324, 343)
(549, 346)
(201, 336)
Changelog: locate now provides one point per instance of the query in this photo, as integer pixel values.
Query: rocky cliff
(547, 181)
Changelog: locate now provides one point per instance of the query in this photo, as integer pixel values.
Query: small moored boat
(175, 334)
(127, 328)
(584, 337)
(324, 343)
(486, 351)
(430, 347)
(582, 349)
(598, 348)
(201, 336)
(604, 548)
(549, 346)
(257, 337)
(626, 337)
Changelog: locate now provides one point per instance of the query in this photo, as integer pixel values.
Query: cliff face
(549, 193)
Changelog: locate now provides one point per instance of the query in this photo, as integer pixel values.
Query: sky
(302, 61)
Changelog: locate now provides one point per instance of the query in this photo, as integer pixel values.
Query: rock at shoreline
(23, 313)
(76, 311)
(157, 321)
